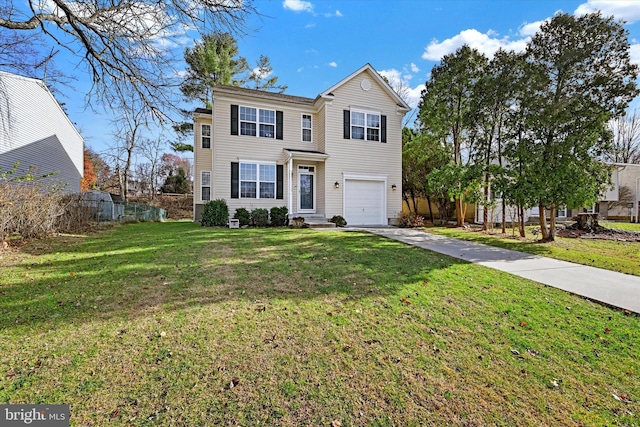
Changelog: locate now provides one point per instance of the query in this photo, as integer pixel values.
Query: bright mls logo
(34, 415)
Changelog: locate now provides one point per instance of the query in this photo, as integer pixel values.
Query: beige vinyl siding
(235, 148)
(363, 157)
(202, 158)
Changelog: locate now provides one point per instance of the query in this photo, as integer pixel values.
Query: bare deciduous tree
(626, 139)
(121, 44)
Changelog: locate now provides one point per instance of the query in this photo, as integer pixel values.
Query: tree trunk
(521, 220)
(504, 216)
(430, 210)
(552, 223)
(543, 223)
(459, 212)
(485, 211)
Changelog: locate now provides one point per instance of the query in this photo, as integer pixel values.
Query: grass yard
(613, 255)
(175, 324)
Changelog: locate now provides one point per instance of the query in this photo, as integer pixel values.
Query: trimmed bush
(338, 220)
(243, 215)
(279, 216)
(260, 217)
(410, 220)
(215, 213)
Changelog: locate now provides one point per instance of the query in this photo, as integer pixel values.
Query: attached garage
(365, 202)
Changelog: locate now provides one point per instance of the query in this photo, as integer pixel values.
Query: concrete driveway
(609, 287)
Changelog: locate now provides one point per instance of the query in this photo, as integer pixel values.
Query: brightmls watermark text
(34, 415)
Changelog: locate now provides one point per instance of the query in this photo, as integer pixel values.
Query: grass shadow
(129, 270)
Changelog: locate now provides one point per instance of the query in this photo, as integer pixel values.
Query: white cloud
(333, 64)
(256, 72)
(529, 29)
(629, 10)
(487, 43)
(634, 52)
(298, 5)
(414, 68)
(311, 25)
(400, 83)
(332, 14)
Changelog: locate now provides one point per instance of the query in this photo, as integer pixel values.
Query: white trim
(315, 185)
(202, 186)
(373, 74)
(202, 125)
(302, 128)
(365, 177)
(257, 122)
(258, 164)
(365, 127)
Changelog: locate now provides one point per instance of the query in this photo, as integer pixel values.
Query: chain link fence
(105, 210)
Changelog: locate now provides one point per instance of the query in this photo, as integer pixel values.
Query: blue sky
(314, 44)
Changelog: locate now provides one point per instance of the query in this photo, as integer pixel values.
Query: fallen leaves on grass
(622, 398)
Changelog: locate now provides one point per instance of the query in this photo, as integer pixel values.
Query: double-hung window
(257, 122)
(205, 186)
(257, 181)
(306, 128)
(267, 123)
(248, 121)
(365, 125)
(206, 136)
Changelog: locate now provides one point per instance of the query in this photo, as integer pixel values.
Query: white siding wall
(35, 131)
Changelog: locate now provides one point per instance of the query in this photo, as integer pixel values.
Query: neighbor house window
(206, 136)
(257, 122)
(365, 125)
(206, 186)
(257, 181)
(306, 128)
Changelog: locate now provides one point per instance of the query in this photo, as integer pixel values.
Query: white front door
(306, 189)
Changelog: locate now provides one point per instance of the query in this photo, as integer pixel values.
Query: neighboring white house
(35, 131)
(620, 202)
(339, 153)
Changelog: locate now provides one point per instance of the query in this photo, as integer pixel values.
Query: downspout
(289, 183)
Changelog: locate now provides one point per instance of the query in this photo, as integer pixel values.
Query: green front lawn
(175, 324)
(612, 255)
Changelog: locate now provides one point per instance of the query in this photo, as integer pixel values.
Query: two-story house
(339, 153)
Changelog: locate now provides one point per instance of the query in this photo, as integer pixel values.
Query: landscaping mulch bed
(600, 232)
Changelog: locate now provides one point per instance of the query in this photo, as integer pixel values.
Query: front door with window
(306, 189)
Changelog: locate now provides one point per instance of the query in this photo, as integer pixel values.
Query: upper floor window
(365, 125)
(254, 121)
(206, 136)
(306, 128)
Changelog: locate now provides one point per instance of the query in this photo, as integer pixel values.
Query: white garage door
(364, 202)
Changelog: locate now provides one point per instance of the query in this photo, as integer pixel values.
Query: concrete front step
(315, 221)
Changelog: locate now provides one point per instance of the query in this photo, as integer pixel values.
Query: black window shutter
(279, 124)
(346, 114)
(383, 128)
(235, 169)
(234, 120)
(279, 182)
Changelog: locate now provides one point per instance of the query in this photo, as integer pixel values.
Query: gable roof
(385, 86)
(30, 113)
(261, 94)
(300, 100)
